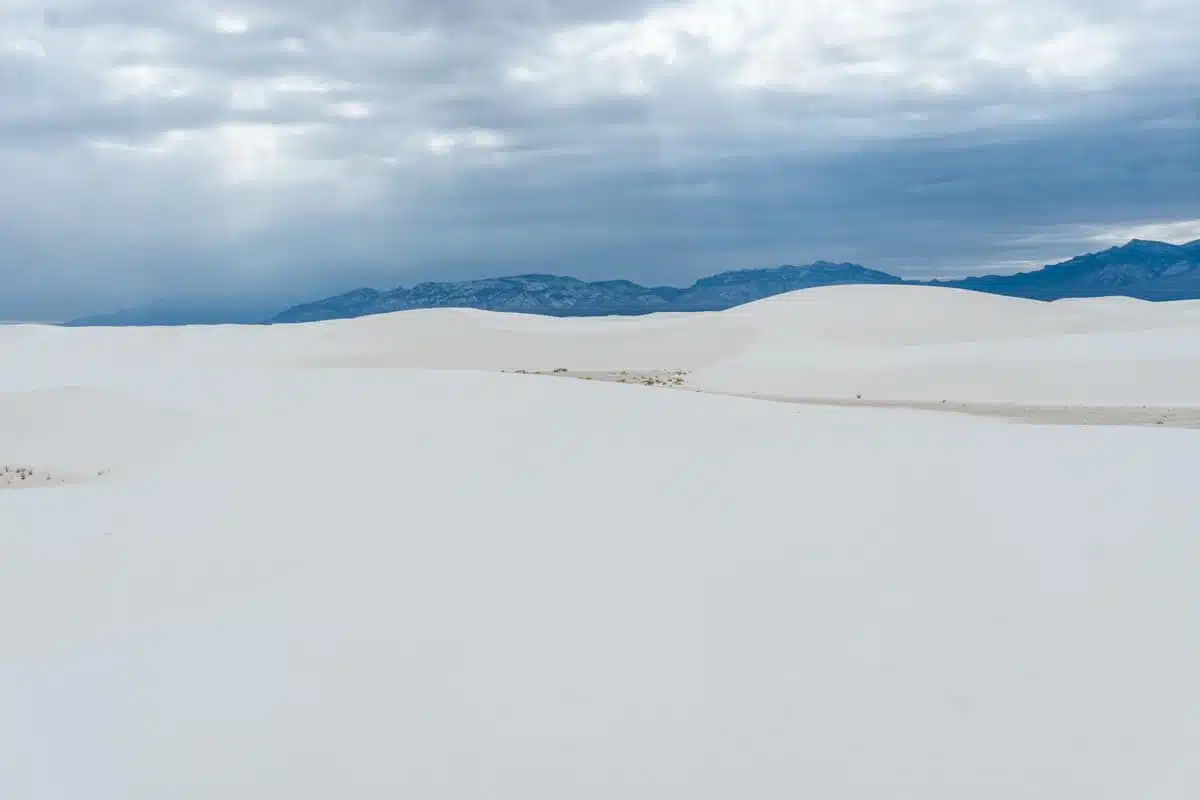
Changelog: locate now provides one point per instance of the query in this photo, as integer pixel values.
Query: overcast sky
(294, 148)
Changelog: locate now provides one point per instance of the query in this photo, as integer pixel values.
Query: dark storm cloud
(277, 149)
(950, 205)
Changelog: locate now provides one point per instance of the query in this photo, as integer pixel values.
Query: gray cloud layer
(278, 149)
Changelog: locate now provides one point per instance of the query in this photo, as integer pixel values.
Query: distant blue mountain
(555, 295)
(188, 312)
(535, 294)
(729, 289)
(1143, 269)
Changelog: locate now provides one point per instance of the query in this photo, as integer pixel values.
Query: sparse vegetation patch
(665, 377)
(24, 476)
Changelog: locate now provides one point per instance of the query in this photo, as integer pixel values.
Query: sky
(289, 149)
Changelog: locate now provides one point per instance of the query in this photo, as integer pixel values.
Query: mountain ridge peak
(1142, 268)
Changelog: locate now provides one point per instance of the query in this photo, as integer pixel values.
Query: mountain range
(1142, 269)
(203, 311)
(562, 296)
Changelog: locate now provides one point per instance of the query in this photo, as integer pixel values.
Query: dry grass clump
(675, 378)
(667, 378)
(16, 473)
(23, 476)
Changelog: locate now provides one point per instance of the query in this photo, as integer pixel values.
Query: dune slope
(365, 582)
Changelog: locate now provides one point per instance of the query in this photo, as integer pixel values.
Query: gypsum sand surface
(1164, 416)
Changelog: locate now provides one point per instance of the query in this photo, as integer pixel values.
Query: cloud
(285, 149)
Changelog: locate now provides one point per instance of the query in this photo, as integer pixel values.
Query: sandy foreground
(366, 559)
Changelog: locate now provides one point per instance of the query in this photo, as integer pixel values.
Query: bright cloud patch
(231, 24)
(832, 46)
(1178, 232)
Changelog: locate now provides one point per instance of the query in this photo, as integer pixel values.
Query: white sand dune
(913, 344)
(61, 435)
(307, 582)
(885, 342)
